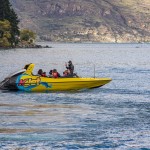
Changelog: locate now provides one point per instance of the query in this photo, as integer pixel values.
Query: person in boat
(70, 67)
(41, 73)
(44, 74)
(66, 73)
(50, 73)
(55, 74)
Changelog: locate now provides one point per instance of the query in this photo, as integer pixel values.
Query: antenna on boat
(94, 70)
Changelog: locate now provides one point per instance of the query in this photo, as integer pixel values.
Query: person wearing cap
(70, 67)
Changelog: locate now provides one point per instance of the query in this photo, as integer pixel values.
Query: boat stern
(8, 84)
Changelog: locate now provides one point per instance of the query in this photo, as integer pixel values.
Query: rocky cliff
(86, 20)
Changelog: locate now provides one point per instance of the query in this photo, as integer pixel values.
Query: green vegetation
(27, 37)
(5, 33)
(9, 30)
(10, 35)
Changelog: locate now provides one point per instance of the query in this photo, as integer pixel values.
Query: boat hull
(37, 84)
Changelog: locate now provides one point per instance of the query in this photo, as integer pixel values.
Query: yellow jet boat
(24, 80)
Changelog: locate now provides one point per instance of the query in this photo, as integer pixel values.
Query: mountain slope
(86, 20)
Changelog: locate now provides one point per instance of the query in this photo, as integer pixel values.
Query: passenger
(50, 73)
(55, 74)
(66, 73)
(70, 66)
(44, 74)
(40, 72)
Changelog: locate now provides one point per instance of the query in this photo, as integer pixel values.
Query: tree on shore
(27, 35)
(5, 33)
(7, 13)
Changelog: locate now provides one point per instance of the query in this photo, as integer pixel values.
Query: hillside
(86, 20)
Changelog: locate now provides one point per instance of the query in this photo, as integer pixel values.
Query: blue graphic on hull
(25, 84)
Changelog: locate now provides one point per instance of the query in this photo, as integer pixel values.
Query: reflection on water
(116, 116)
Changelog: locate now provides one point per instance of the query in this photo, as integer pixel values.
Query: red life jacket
(55, 74)
(43, 75)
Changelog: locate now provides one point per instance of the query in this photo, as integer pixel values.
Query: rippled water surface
(115, 116)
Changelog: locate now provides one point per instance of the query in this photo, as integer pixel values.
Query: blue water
(115, 116)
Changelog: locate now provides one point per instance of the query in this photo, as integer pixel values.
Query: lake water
(115, 116)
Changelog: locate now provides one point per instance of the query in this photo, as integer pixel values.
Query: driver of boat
(70, 67)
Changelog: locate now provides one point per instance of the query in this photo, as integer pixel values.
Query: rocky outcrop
(83, 21)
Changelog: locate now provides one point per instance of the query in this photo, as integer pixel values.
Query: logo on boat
(29, 81)
(26, 83)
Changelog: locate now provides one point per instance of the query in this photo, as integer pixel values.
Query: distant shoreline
(27, 46)
(47, 46)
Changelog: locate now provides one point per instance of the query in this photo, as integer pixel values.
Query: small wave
(125, 91)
